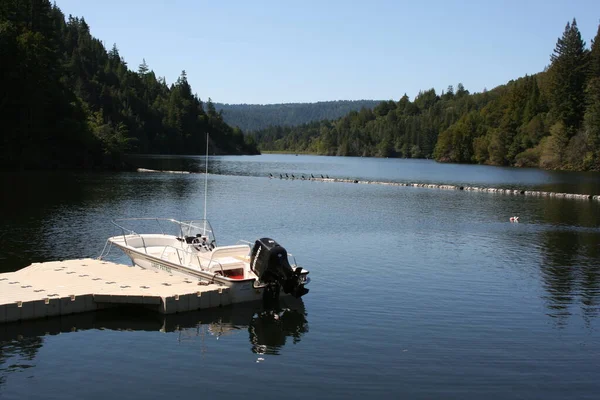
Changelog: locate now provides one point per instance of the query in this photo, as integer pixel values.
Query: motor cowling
(269, 262)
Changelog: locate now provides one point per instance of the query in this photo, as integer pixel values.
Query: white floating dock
(73, 286)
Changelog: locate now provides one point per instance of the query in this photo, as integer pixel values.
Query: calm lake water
(415, 293)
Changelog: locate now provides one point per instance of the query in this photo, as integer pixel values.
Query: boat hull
(242, 290)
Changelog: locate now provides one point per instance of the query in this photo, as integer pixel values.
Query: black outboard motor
(269, 262)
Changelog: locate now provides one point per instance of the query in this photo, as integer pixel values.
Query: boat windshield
(199, 227)
(166, 226)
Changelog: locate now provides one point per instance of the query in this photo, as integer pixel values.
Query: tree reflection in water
(571, 273)
(17, 355)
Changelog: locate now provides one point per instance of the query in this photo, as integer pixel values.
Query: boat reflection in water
(269, 325)
(270, 328)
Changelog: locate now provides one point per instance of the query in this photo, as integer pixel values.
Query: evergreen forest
(549, 120)
(68, 102)
(252, 117)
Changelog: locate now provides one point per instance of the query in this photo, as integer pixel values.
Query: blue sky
(264, 52)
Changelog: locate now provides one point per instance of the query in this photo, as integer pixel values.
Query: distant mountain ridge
(252, 117)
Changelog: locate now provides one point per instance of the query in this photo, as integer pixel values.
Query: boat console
(198, 242)
(269, 262)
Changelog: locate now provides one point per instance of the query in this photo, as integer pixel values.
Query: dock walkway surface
(73, 286)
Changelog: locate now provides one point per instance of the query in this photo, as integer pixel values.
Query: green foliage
(528, 158)
(549, 120)
(592, 122)
(42, 119)
(568, 73)
(66, 102)
(455, 144)
(594, 67)
(391, 129)
(552, 147)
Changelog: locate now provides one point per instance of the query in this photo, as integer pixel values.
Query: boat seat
(226, 263)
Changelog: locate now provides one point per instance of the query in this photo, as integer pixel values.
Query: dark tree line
(548, 120)
(252, 117)
(65, 101)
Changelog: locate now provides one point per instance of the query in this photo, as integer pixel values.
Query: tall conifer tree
(592, 112)
(568, 77)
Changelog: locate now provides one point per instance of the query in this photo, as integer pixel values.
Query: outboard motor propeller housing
(270, 263)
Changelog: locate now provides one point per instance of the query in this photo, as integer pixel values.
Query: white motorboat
(190, 248)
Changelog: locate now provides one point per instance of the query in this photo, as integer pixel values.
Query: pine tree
(592, 112)
(568, 73)
(594, 61)
(113, 54)
(143, 68)
(461, 91)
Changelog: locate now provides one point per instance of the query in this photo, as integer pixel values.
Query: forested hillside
(549, 120)
(252, 117)
(65, 101)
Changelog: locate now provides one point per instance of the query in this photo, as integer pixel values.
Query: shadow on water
(269, 328)
(59, 215)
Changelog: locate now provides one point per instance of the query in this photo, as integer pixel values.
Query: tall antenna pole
(206, 182)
